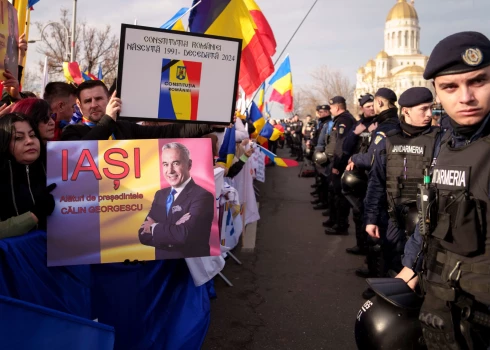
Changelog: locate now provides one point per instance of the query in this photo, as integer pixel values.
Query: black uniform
(339, 206)
(318, 142)
(454, 248)
(354, 144)
(297, 139)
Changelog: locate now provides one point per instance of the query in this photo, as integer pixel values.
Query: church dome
(411, 70)
(402, 10)
(360, 70)
(382, 54)
(371, 63)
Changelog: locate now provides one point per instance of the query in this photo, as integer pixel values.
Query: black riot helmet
(410, 215)
(390, 320)
(320, 158)
(354, 187)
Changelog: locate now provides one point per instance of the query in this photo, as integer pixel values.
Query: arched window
(420, 83)
(399, 39)
(412, 40)
(401, 63)
(406, 39)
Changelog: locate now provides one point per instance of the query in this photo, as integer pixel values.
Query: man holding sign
(179, 222)
(100, 122)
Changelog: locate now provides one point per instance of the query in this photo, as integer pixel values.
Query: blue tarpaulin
(154, 305)
(24, 275)
(27, 326)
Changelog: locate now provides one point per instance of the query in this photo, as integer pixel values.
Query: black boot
(328, 223)
(356, 250)
(364, 272)
(337, 230)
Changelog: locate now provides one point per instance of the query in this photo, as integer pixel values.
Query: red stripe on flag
(255, 66)
(286, 100)
(265, 32)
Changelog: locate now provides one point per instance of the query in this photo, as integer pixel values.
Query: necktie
(170, 200)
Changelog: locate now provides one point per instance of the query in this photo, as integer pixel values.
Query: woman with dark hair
(39, 112)
(25, 199)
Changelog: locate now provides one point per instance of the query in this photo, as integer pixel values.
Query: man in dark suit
(179, 222)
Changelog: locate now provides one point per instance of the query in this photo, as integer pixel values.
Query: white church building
(400, 65)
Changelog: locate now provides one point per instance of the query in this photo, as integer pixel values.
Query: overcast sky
(342, 34)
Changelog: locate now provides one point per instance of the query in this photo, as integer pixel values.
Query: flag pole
(185, 13)
(287, 44)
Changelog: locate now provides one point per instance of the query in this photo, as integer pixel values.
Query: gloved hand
(44, 202)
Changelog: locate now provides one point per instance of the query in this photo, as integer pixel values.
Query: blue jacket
(387, 121)
(414, 243)
(323, 136)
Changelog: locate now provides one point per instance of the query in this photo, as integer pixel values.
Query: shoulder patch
(378, 139)
(381, 133)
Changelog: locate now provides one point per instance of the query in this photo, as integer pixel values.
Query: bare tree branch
(325, 84)
(93, 47)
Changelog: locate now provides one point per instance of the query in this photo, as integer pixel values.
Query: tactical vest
(406, 159)
(330, 148)
(363, 142)
(458, 254)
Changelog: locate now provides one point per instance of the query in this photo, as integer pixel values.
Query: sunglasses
(48, 117)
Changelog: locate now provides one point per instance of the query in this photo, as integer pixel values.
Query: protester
(100, 112)
(39, 113)
(26, 201)
(61, 98)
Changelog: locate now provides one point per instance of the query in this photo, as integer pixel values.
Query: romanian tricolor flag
(262, 27)
(231, 18)
(72, 72)
(270, 132)
(179, 104)
(227, 150)
(286, 163)
(31, 3)
(282, 83)
(86, 75)
(175, 23)
(261, 93)
(256, 118)
(267, 111)
(100, 76)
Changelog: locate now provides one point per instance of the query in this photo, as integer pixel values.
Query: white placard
(259, 165)
(177, 76)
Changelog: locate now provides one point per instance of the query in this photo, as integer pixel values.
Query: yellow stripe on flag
(118, 232)
(284, 84)
(243, 24)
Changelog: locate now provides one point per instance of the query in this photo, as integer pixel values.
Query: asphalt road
(298, 289)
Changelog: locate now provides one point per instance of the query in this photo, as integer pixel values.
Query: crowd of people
(378, 164)
(67, 112)
(417, 181)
